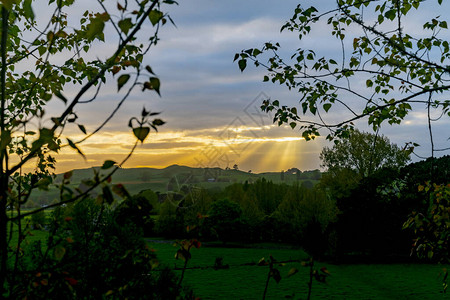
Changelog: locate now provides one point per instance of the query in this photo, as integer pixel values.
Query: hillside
(173, 177)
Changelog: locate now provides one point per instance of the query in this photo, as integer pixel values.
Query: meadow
(352, 281)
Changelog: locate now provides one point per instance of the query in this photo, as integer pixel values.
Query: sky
(211, 108)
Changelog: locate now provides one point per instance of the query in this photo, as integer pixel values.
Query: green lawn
(377, 281)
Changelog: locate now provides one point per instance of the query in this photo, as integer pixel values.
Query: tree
(363, 153)
(304, 216)
(404, 68)
(55, 57)
(225, 218)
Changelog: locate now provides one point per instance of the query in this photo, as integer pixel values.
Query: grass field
(376, 281)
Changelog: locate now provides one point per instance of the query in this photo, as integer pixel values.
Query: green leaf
(74, 146)
(275, 275)
(82, 128)
(292, 272)
(149, 69)
(155, 16)
(28, 10)
(293, 124)
(256, 52)
(43, 183)
(108, 164)
(125, 25)
(123, 79)
(95, 29)
(390, 14)
(156, 84)
(59, 252)
(242, 64)
(158, 122)
(61, 96)
(327, 107)
(141, 133)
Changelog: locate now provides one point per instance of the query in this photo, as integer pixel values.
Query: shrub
(89, 256)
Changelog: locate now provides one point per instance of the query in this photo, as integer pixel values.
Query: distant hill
(173, 177)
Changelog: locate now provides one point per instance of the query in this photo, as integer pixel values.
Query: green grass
(377, 281)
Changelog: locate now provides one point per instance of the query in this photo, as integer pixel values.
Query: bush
(89, 256)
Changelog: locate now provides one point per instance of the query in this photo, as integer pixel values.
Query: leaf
(155, 16)
(155, 83)
(242, 64)
(292, 124)
(292, 272)
(262, 262)
(43, 183)
(327, 107)
(120, 190)
(276, 275)
(28, 10)
(59, 252)
(95, 29)
(82, 128)
(123, 79)
(149, 69)
(108, 164)
(68, 175)
(125, 25)
(183, 254)
(141, 133)
(74, 146)
(158, 122)
(60, 96)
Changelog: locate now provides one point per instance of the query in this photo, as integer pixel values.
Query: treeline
(340, 217)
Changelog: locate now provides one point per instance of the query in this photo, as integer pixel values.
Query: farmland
(347, 281)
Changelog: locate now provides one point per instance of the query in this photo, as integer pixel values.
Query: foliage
(373, 210)
(432, 229)
(152, 198)
(168, 223)
(304, 217)
(371, 218)
(225, 219)
(364, 153)
(404, 68)
(90, 256)
(339, 183)
(136, 210)
(39, 220)
(184, 253)
(47, 56)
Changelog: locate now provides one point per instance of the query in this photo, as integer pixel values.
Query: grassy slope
(138, 179)
(394, 281)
